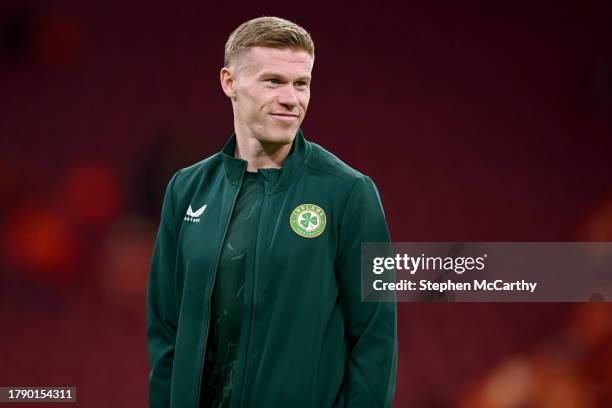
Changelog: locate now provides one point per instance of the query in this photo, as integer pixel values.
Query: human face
(270, 90)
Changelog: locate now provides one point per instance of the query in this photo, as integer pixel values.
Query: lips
(287, 115)
(286, 119)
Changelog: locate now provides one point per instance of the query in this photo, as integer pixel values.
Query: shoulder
(194, 173)
(323, 161)
(186, 181)
(346, 181)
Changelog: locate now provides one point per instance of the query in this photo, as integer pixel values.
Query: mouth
(285, 116)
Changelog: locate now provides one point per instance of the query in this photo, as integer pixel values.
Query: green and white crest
(308, 220)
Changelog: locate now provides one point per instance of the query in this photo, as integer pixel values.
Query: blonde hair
(271, 32)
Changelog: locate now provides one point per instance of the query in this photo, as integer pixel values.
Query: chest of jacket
(296, 239)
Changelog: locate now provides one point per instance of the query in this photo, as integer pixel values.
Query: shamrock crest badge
(308, 220)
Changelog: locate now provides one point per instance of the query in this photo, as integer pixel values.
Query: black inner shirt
(220, 365)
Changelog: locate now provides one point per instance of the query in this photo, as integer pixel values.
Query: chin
(280, 137)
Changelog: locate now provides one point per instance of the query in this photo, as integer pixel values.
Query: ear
(228, 81)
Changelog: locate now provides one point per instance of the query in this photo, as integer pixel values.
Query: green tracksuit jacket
(307, 339)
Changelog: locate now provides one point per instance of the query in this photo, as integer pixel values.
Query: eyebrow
(270, 73)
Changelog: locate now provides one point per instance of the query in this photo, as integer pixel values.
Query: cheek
(248, 95)
(304, 99)
(255, 102)
(260, 100)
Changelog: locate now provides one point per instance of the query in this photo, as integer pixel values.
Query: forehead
(286, 61)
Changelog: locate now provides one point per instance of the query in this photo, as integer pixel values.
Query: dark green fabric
(307, 340)
(228, 295)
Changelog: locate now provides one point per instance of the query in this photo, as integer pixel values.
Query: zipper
(245, 384)
(212, 287)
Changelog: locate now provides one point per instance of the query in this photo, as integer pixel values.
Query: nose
(287, 97)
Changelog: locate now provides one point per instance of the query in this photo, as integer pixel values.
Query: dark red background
(478, 122)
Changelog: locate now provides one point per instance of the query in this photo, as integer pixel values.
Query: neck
(260, 154)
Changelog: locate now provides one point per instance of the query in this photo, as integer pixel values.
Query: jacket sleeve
(370, 327)
(162, 316)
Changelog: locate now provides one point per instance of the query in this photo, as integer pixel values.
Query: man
(254, 295)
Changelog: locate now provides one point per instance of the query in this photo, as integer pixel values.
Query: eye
(302, 85)
(273, 81)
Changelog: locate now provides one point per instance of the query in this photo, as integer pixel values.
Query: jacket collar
(275, 179)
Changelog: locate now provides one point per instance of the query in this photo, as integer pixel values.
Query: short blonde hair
(271, 32)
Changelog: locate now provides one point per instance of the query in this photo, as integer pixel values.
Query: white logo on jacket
(192, 216)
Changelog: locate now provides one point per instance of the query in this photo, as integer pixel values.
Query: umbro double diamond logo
(194, 216)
